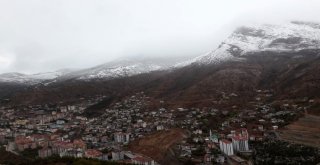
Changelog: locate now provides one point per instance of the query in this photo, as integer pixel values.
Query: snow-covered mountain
(293, 36)
(32, 78)
(120, 68)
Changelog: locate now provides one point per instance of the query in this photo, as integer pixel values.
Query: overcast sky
(46, 35)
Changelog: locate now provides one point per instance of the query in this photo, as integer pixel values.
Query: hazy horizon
(40, 36)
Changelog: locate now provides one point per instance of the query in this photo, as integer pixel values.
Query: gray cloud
(43, 35)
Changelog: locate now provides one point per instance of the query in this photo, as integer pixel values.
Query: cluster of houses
(128, 120)
(66, 131)
(233, 131)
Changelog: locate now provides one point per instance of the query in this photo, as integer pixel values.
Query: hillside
(157, 145)
(291, 75)
(304, 131)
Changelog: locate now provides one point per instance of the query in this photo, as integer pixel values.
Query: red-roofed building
(22, 143)
(91, 153)
(41, 140)
(79, 144)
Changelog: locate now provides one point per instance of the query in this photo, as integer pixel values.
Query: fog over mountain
(45, 36)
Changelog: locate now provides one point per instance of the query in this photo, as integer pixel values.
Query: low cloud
(37, 35)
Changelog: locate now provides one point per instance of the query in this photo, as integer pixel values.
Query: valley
(259, 90)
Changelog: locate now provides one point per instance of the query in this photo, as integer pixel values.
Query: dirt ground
(157, 145)
(304, 131)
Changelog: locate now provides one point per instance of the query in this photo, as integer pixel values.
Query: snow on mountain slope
(292, 36)
(14, 77)
(51, 75)
(115, 69)
(118, 68)
(32, 78)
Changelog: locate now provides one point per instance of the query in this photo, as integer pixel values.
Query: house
(60, 122)
(275, 127)
(71, 107)
(185, 151)
(198, 131)
(160, 127)
(260, 128)
(63, 109)
(79, 144)
(220, 159)
(22, 143)
(208, 158)
(4, 123)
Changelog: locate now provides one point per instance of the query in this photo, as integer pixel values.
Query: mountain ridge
(293, 36)
(290, 74)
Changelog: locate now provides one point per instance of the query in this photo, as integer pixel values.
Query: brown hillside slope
(158, 144)
(304, 131)
(291, 75)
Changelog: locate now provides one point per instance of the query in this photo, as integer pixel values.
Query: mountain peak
(293, 36)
